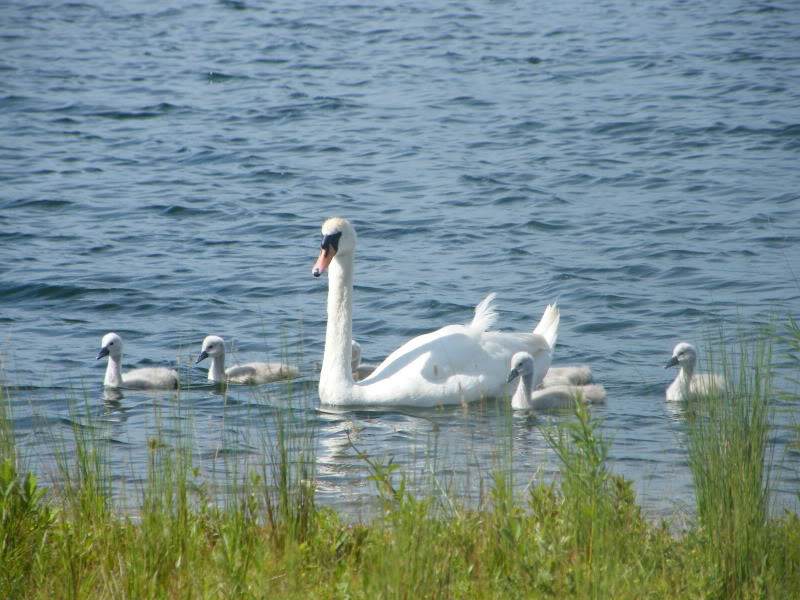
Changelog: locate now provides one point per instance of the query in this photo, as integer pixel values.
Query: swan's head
(338, 237)
(110, 345)
(213, 346)
(521, 365)
(683, 355)
(355, 356)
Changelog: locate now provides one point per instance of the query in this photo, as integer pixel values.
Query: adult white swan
(453, 365)
(254, 373)
(144, 378)
(527, 397)
(689, 383)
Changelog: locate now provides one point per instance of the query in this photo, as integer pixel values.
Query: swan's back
(564, 396)
(258, 373)
(706, 384)
(150, 378)
(456, 362)
(700, 385)
(574, 375)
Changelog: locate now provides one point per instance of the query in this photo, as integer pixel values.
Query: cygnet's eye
(110, 343)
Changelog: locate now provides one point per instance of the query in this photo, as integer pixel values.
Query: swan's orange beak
(325, 257)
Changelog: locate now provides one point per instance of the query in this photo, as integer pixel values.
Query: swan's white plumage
(485, 315)
(254, 373)
(526, 397)
(688, 383)
(453, 365)
(145, 378)
(572, 375)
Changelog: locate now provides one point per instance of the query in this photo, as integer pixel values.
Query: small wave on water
(22, 292)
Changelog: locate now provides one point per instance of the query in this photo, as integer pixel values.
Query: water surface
(166, 167)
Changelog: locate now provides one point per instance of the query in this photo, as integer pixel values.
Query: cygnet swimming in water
(252, 373)
(688, 383)
(577, 375)
(360, 371)
(144, 378)
(557, 396)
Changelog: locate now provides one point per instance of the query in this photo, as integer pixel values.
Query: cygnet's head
(338, 237)
(213, 346)
(355, 356)
(521, 365)
(110, 345)
(684, 355)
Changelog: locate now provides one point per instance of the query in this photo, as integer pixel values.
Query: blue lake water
(166, 166)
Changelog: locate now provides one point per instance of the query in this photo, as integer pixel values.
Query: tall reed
(727, 444)
(288, 477)
(598, 507)
(25, 516)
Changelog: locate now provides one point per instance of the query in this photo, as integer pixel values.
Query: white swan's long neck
(336, 377)
(683, 381)
(216, 372)
(522, 397)
(687, 370)
(685, 374)
(113, 371)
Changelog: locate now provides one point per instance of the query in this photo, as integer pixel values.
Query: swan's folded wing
(513, 342)
(485, 314)
(548, 325)
(445, 337)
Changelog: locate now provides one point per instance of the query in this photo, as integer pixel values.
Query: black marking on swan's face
(329, 247)
(330, 240)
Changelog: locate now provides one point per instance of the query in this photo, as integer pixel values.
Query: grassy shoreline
(584, 537)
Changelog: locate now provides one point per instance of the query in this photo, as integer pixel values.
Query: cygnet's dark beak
(103, 353)
(202, 356)
(672, 362)
(512, 375)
